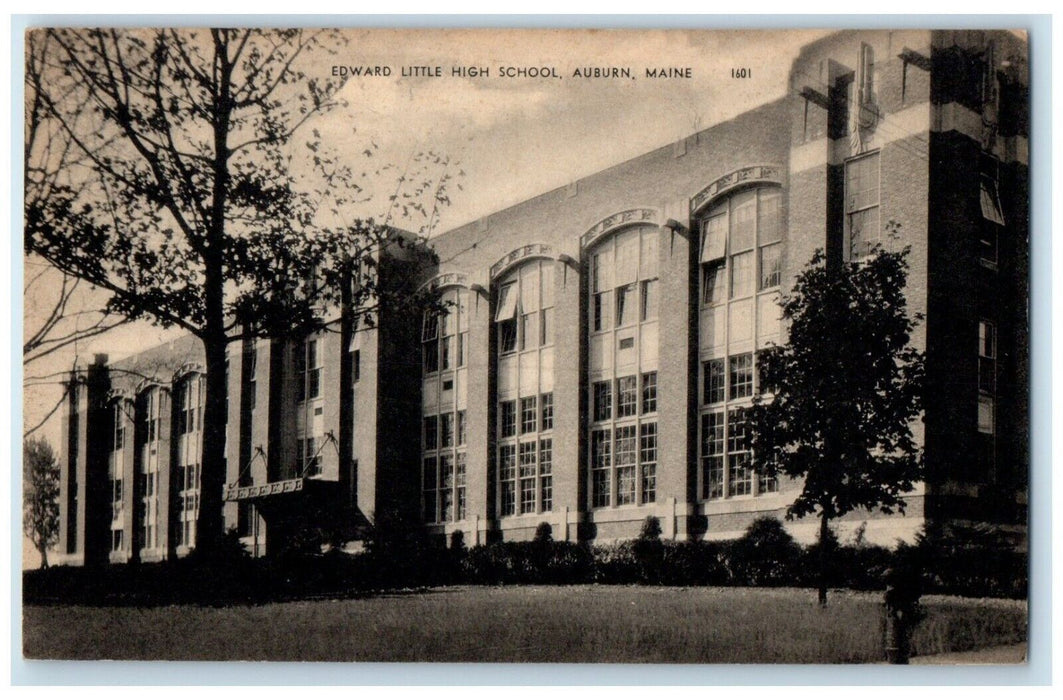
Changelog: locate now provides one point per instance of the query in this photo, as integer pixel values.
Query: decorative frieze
(615, 221)
(532, 250)
(245, 493)
(446, 279)
(742, 176)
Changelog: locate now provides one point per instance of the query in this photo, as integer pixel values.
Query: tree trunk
(43, 549)
(823, 558)
(210, 523)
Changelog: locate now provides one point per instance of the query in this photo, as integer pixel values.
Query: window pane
(526, 461)
(625, 313)
(602, 311)
(864, 232)
(649, 300)
(712, 454)
(547, 287)
(768, 215)
(648, 255)
(507, 302)
(743, 219)
(527, 415)
(713, 378)
(649, 392)
(431, 357)
(861, 183)
(508, 418)
(987, 339)
(714, 237)
(601, 461)
(626, 396)
(445, 346)
(713, 283)
(507, 336)
(603, 401)
(627, 257)
(529, 331)
(446, 429)
(986, 414)
(430, 329)
(430, 433)
(546, 455)
(546, 328)
(770, 270)
(548, 411)
(742, 275)
(624, 458)
(741, 379)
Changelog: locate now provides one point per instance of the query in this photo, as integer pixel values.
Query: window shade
(507, 303)
(990, 200)
(714, 238)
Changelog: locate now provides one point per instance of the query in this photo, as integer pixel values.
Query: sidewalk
(1011, 654)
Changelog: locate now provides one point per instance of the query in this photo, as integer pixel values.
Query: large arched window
(445, 337)
(741, 271)
(524, 331)
(188, 436)
(149, 412)
(622, 320)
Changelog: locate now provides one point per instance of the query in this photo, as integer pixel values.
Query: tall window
(189, 395)
(524, 327)
(741, 258)
(310, 427)
(308, 370)
(987, 377)
(445, 346)
(622, 318)
(251, 373)
(116, 472)
(149, 416)
(992, 211)
(862, 226)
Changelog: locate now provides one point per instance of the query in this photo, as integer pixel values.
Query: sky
(507, 138)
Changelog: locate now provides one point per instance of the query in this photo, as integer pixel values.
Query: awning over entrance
(292, 508)
(257, 492)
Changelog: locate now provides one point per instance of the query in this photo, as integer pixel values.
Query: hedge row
(765, 556)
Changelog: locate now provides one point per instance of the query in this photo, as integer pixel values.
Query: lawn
(525, 623)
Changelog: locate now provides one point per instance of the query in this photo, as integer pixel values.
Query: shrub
(694, 564)
(649, 551)
(766, 555)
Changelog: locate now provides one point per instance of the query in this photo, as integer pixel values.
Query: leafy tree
(204, 198)
(40, 495)
(844, 393)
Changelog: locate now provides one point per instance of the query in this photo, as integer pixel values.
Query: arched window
(622, 319)
(188, 434)
(741, 271)
(445, 337)
(149, 413)
(524, 331)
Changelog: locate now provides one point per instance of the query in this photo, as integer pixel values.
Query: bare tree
(214, 205)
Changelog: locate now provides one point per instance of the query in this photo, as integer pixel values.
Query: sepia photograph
(567, 346)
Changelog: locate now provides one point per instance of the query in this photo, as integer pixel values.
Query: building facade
(597, 349)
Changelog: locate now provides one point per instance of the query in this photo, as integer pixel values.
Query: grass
(529, 623)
